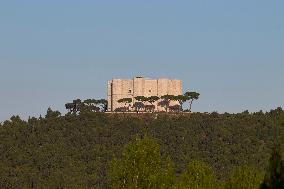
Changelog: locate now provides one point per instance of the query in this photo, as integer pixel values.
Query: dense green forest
(93, 149)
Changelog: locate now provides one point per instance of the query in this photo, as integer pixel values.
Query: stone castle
(139, 86)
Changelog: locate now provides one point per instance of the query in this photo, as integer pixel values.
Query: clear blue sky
(51, 52)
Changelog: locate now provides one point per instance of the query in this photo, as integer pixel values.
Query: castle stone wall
(139, 86)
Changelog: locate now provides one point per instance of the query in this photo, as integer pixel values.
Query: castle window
(129, 91)
(150, 91)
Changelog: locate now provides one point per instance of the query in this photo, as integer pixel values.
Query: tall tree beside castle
(191, 96)
(139, 104)
(166, 100)
(152, 100)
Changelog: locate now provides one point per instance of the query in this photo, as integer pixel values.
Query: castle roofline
(146, 78)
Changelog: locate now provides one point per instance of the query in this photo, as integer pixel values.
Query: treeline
(141, 166)
(137, 104)
(89, 105)
(146, 104)
(87, 149)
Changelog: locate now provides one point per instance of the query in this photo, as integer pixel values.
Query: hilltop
(74, 151)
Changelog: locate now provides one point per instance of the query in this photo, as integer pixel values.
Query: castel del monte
(142, 87)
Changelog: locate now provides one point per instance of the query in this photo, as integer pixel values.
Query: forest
(151, 150)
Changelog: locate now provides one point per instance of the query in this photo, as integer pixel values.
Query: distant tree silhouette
(152, 100)
(103, 104)
(50, 113)
(191, 96)
(181, 99)
(74, 106)
(166, 99)
(140, 104)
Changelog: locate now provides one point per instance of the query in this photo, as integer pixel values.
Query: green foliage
(52, 114)
(153, 99)
(274, 177)
(164, 102)
(75, 151)
(182, 99)
(74, 107)
(166, 99)
(140, 167)
(191, 96)
(139, 104)
(244, 178)
(103, 103)
(197, 176)
(86, 106)
(141, 98)
(125, 100)
(165, 179)
(70, 107)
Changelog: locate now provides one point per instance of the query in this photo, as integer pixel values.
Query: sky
(51, 52)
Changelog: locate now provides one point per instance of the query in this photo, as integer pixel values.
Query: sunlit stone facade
(139, 86)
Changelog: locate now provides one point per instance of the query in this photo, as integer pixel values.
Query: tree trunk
(154, 107)
(180, 106)
(190, 105)
(167, 106)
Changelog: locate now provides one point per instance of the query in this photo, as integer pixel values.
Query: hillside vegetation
(76, 151)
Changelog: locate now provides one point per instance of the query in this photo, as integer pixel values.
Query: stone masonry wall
(121, 88)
